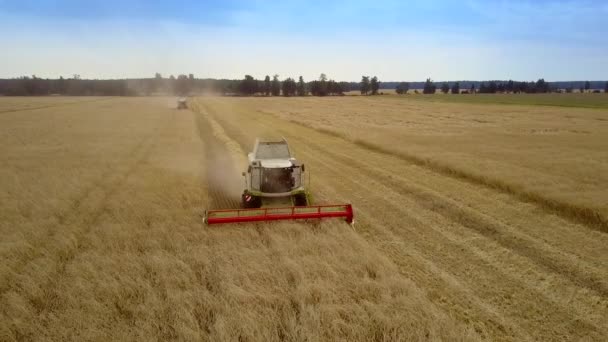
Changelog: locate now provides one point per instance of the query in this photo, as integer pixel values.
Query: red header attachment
(285, 213)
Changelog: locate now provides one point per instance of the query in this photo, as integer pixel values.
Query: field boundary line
(579, 214)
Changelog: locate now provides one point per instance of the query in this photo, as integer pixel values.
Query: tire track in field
(559, 312)
(139, 153)
(222, 187)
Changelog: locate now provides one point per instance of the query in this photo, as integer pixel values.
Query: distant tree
(509, 86)
(489, 88)
(500, 87)
(374, 85)
(581, 89)
(289, 87)
(148, 88)
(171, 84)
(365, 85)
(336, 88)
(445, 88)
(315, 87)
(191, 82)
(429, 87)
(267, 87)
(331, 87)
(473, 88)
(402, 88)
(456, 88)
(301, 87)
(248, 86)
(158, 82)
(492, 87)
(524, 87)
(606, 88)
(323, 87)
(587, 85)
(483, 88)
(61, 85)
(231, 87)
(542, 86)
(569, 89)
(345, 86)
(276, 86)
(181, 85)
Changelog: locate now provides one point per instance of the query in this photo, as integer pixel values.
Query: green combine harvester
(275, 189)
(182, 103)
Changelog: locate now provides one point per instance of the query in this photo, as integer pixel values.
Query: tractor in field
(273, 178)
(182, 103)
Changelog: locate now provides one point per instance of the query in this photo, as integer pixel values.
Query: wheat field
(473, 222)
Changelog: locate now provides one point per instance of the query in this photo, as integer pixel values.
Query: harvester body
(273, 178)
(182, 103)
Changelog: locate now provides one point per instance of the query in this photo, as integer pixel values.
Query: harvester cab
(273, 176)
(275, 189)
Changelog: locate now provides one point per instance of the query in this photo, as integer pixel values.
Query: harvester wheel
(251, 201)
(300, 200)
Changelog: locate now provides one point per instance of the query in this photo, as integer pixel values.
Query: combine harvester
(182, 103)
(273, 180)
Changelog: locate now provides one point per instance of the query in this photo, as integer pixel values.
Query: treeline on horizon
(183, 85)
(510, 86)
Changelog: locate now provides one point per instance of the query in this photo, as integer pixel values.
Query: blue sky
(395, 40)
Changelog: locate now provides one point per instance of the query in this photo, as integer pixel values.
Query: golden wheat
(493, 258)
(102, 235)
(102, 239)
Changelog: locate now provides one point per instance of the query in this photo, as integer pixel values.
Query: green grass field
(560, 100)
